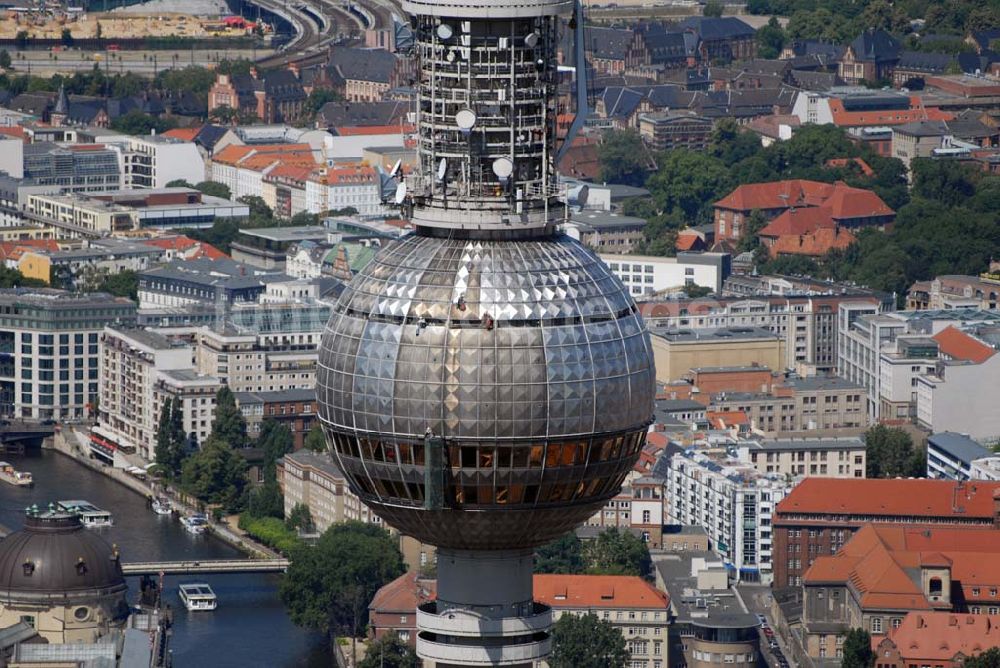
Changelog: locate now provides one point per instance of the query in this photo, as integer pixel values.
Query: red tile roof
(844, 162)
(843, 201)
(15, 131)
(691, 241)
(184, 134)
(403, 594)
(598, 591)
(12, 249)
(190, 248)
(813, 244)
(798, 221)
(916, 112)
(958, 345)
(724, 419)
(354, 131)
(847, 202)
(891, 498)
(925, 637)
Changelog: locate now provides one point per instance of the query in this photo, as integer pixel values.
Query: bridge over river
(205, 566)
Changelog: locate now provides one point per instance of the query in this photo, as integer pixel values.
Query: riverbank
(227, 531)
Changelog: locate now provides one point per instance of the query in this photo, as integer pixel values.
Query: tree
(713, 8)
(587, 642)
(890, 453)
(259, 209)
(770, 39)
(622, 157)
(275, 440)
(229, 426)
(300, 519)
(12, 278)
(857, 649)
(164, 447)
(563, 555)
(215, 474)
(66, 38)
(5, 61)
(690, 182)
(138, 123)
(266, 500)
(328, 585)
(755, 223)
(21, 39)
(616, 552)
(123, 284)
(315, 439)
(390, 652)
(179, 183)
(215, 189)
(988, 659)
(318, 98)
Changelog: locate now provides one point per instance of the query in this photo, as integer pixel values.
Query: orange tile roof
(598, 591)
(844, 162)
(798, 221)
(723, 419)
(842, 200)
(925, 637)
(185, 134)
(15, 131)
(686, 242)
(916, 112)
(891, 498)
(847, 202)
(403, 594)
(961, 346)
(195, 249)
(13, 249)
(812, 244)
(342, 175)
(235, 155)
(657, 438)
(354, 131)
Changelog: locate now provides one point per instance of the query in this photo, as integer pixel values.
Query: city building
(49, 357)
(643, 274)
(130, 361)
(936, 638)
(677, 351)
(639, 507)
(882, 573)
(986, 468)
(945, 292)
(295, 408)
(637, 609)
(188, 283)
(349, 186)
(313, 480)
(606, 232)
(709, 625)
(153, 161)
(341, 260)
(490, 352)
(820, 514)
(687, 538)
(70, 168)
(951, 456)
(267, 248)
(835, 457)
(733, 501)
(668, 131)
(871, 57)
(867, 115)
(276, 96)
(393, 609)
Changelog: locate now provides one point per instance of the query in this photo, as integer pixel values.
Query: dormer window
(29, 567)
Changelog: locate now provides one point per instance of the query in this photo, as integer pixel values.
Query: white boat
(195, 524)
(161, 506)
(198, 596)
(17, 478)
(90, 515)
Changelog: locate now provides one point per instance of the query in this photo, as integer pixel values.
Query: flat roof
(606, 219)
(835, 443)
(960, 446)
(287, 233)
(713, 334)
(710, 608)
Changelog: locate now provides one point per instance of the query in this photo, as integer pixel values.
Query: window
(876, 625)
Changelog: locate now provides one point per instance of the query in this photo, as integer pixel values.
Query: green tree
(66, 38)
(215, 474)
(275, 440)
(123, 284)
(563, 555)
(138, 123)
(215, 189)
(890, 453)
(266, 500)
(390, 652)
(315, 439)
(988, 659)
(12, 278)
(259, 210)
(943, 180)
(300, 519)
(689, 182)
(616, 552)
(770, 39)
(328, 585)
(587, 642)
(713, 8)
(229, 426)
(5, 61)
(622, 158)
(857, 649)
(755, 223)
(303, 219)
(318, 98)
(179, 183)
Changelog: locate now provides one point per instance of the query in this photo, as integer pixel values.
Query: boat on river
(90, 515)
(196, 524)
(198, 596)
(14, 477)
(161, 506)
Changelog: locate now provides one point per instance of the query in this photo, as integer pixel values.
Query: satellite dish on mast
(395, 169)
(465, 119)
(400, 193)
(444, 31)
(503, 168)
(531, 40)
(442, 169)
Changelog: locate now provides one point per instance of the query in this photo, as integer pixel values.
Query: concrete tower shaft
(486, 117)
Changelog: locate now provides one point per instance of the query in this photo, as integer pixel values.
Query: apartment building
(951, 456)
(639, 506)
(313, 480)
(70, 168)
(901, 362)
(945, 292)
(820, 515)
(834, 457)
(129, 362)
(195, 393)
(202, 281)
(807, 323)
(677, 351)
(734, 503)
(798, 404)
(639, 611)
(937, 638)
(643, 274)
(352, 185)
(153, 161)
(296, 409)
(49, 350)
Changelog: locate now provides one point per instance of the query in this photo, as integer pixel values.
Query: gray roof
(959, 446)
(603, 220)
(314, 232)
(821, 383)
(675, 405)
(785, 444)
(51, 298)
(719, 608)
(277, 395)
(713, 333)
(923, 129)
(319, 461)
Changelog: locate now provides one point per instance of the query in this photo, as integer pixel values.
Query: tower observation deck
(486, 383)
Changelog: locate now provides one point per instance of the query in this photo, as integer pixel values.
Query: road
(757, 599)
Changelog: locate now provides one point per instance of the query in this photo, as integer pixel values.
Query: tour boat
(198, 596)
(17, 478)
(161, 506)
(195, 524)
(90, 515)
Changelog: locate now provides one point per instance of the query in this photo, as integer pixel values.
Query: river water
(249, 628)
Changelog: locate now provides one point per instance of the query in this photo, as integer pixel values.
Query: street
(757, 599)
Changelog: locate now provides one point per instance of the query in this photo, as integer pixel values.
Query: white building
(643, 274)
(49, 355)
(140, 370)
(987, 468)
(957, 396)
(313, 480)
(733, 502)
(951, 455)
(341, 186)
(154, 161)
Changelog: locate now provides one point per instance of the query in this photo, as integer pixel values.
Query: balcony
(466, 623)
(431, 647)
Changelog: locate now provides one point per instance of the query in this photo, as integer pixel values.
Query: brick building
(295, 408)
(938, 639)
(394, 608)
(821, 514)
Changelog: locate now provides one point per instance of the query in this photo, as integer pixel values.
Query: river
(249, 628)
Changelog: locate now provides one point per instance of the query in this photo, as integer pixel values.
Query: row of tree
(613, 552)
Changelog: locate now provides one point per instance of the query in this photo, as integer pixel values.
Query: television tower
(486, 383)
